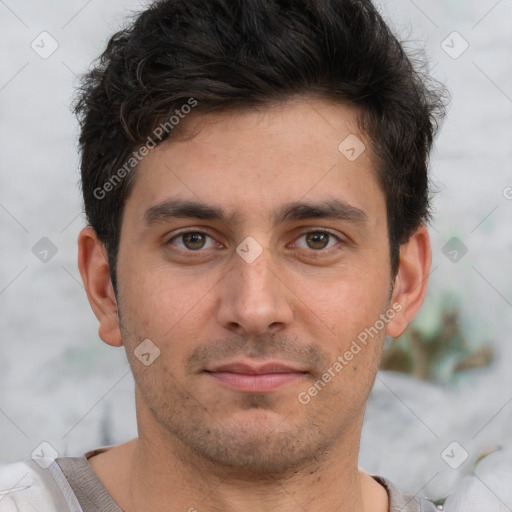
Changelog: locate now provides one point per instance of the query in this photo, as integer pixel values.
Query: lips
(252, 378)
(247, 369)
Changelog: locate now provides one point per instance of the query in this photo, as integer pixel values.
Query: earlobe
(94, 269)
(411, 282)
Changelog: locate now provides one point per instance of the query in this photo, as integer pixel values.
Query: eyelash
(317, 253)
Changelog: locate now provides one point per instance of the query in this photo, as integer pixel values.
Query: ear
(94, 269)
(411, 282)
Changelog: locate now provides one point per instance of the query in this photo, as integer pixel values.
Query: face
(253, 293)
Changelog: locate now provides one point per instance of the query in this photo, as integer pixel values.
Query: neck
(152, 477)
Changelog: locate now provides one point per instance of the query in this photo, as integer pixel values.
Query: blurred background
(443, 398)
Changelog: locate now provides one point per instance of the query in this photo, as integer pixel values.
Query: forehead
(254, 160)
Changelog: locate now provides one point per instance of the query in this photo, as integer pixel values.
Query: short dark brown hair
(229, 54)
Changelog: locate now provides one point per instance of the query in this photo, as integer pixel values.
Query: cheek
(346, 305)
(163, 305)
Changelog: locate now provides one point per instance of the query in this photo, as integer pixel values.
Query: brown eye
(192, 241)
(317, 240)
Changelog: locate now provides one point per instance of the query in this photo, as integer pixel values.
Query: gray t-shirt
(93, 497)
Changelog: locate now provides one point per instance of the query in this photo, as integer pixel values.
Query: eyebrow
(182, 209)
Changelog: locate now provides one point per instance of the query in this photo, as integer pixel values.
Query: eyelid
(321, 230)
(186, 231)
(311, 229)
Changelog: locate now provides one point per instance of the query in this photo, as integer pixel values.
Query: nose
(255, 298)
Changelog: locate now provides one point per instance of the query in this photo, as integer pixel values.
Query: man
(255, 181)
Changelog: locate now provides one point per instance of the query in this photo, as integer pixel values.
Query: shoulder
(34, 486)
(399, 501)
(489, 487)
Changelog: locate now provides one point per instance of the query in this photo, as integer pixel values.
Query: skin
(303, 301)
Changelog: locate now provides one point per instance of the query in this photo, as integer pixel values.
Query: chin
(257, 443)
